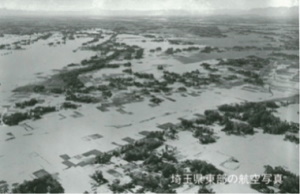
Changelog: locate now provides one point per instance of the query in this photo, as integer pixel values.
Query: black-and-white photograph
(149, 96)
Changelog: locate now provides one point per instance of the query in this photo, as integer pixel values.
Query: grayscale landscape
(123, 98)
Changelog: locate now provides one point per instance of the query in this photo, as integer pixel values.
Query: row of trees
(292, 137)
(209, 49)
(35, 113)
(81, 98)
(69, 105)
(208, 67)
(26, 103)
(253, 61)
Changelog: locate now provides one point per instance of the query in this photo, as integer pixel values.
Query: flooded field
(36, 62)
(145, 102)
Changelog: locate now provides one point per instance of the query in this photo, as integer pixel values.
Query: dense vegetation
(203, 189)
(292, 137)
(153, 183)
(27, 103)
(237, 128)
(202, 167)
(103, 158)
(259, 115)
(35, 113)
(81, 98)
(290, 181)
(116, 187)
(98, 178)
(251, 61)
(142, 149)
(46, 184)
(204, 134)
(69, 105)
(241, 119)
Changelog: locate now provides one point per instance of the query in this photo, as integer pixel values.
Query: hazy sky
(81, 5)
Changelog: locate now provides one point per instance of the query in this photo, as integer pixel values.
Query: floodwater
(289, 113)
(22, 67)
(40, 146)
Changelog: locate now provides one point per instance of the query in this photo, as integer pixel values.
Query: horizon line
(148, 10)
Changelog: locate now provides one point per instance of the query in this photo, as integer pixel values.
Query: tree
(24, 104)
(169, 156)
(156, 100)
(203, 189)
(57, 90)
(168, 170)
(152, 159)
(182, 89)
(38, 89)
(170, 51)
(160, 67)
(212, 116)
(116, 187)
(186, 124)
(290, 185)
(206, 139)
(4, 188)
(238, 128)
(103, 158)
(156, 134)
(127, 64)
(69, 105)
(139, 54)
(107, 93)
(98, 178)
(292, 138)
(15, 118)
(200, 131)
